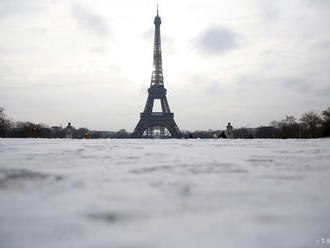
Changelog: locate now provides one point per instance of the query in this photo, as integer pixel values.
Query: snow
(164, 193)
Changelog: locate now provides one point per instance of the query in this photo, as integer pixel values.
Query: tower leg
(148, 123)
(165, 106)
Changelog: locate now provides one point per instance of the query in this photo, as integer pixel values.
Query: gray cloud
(297, 84)
(148, 34)
(323, 4)
(301, 85)
(214, 88)
(21, 7)
(217, 40)
(323, 92)
(269, 10)
(89, 21)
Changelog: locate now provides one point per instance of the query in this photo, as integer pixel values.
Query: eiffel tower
(149, 120)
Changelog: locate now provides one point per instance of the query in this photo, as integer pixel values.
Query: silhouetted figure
(230, 132)
(191, 136)
(69, 131)
(223, 135)
(250, 136)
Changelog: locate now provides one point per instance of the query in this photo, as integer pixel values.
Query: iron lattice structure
(150, 120)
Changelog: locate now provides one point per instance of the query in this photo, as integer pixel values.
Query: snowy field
(164, 193)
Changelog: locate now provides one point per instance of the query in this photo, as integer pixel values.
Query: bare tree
(311, 120)
(289, 120)
(326, 122)
(31, 130)
(286, 128)
(326, 114)
(275, 124)
(5, 123)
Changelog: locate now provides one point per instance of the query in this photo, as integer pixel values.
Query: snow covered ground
(164, 193)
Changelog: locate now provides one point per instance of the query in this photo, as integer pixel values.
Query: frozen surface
(164, 193)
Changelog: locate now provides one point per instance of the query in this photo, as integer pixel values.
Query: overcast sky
(89, 62)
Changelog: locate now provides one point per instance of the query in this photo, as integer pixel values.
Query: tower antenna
(157, 9)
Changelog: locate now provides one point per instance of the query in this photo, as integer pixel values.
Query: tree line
(27, 129)
(309, 125)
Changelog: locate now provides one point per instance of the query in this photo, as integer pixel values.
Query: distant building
(69, 131)
(230, 131)
(57, 132)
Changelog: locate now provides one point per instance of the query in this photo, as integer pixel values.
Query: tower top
(157, 73)
(157, 20)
